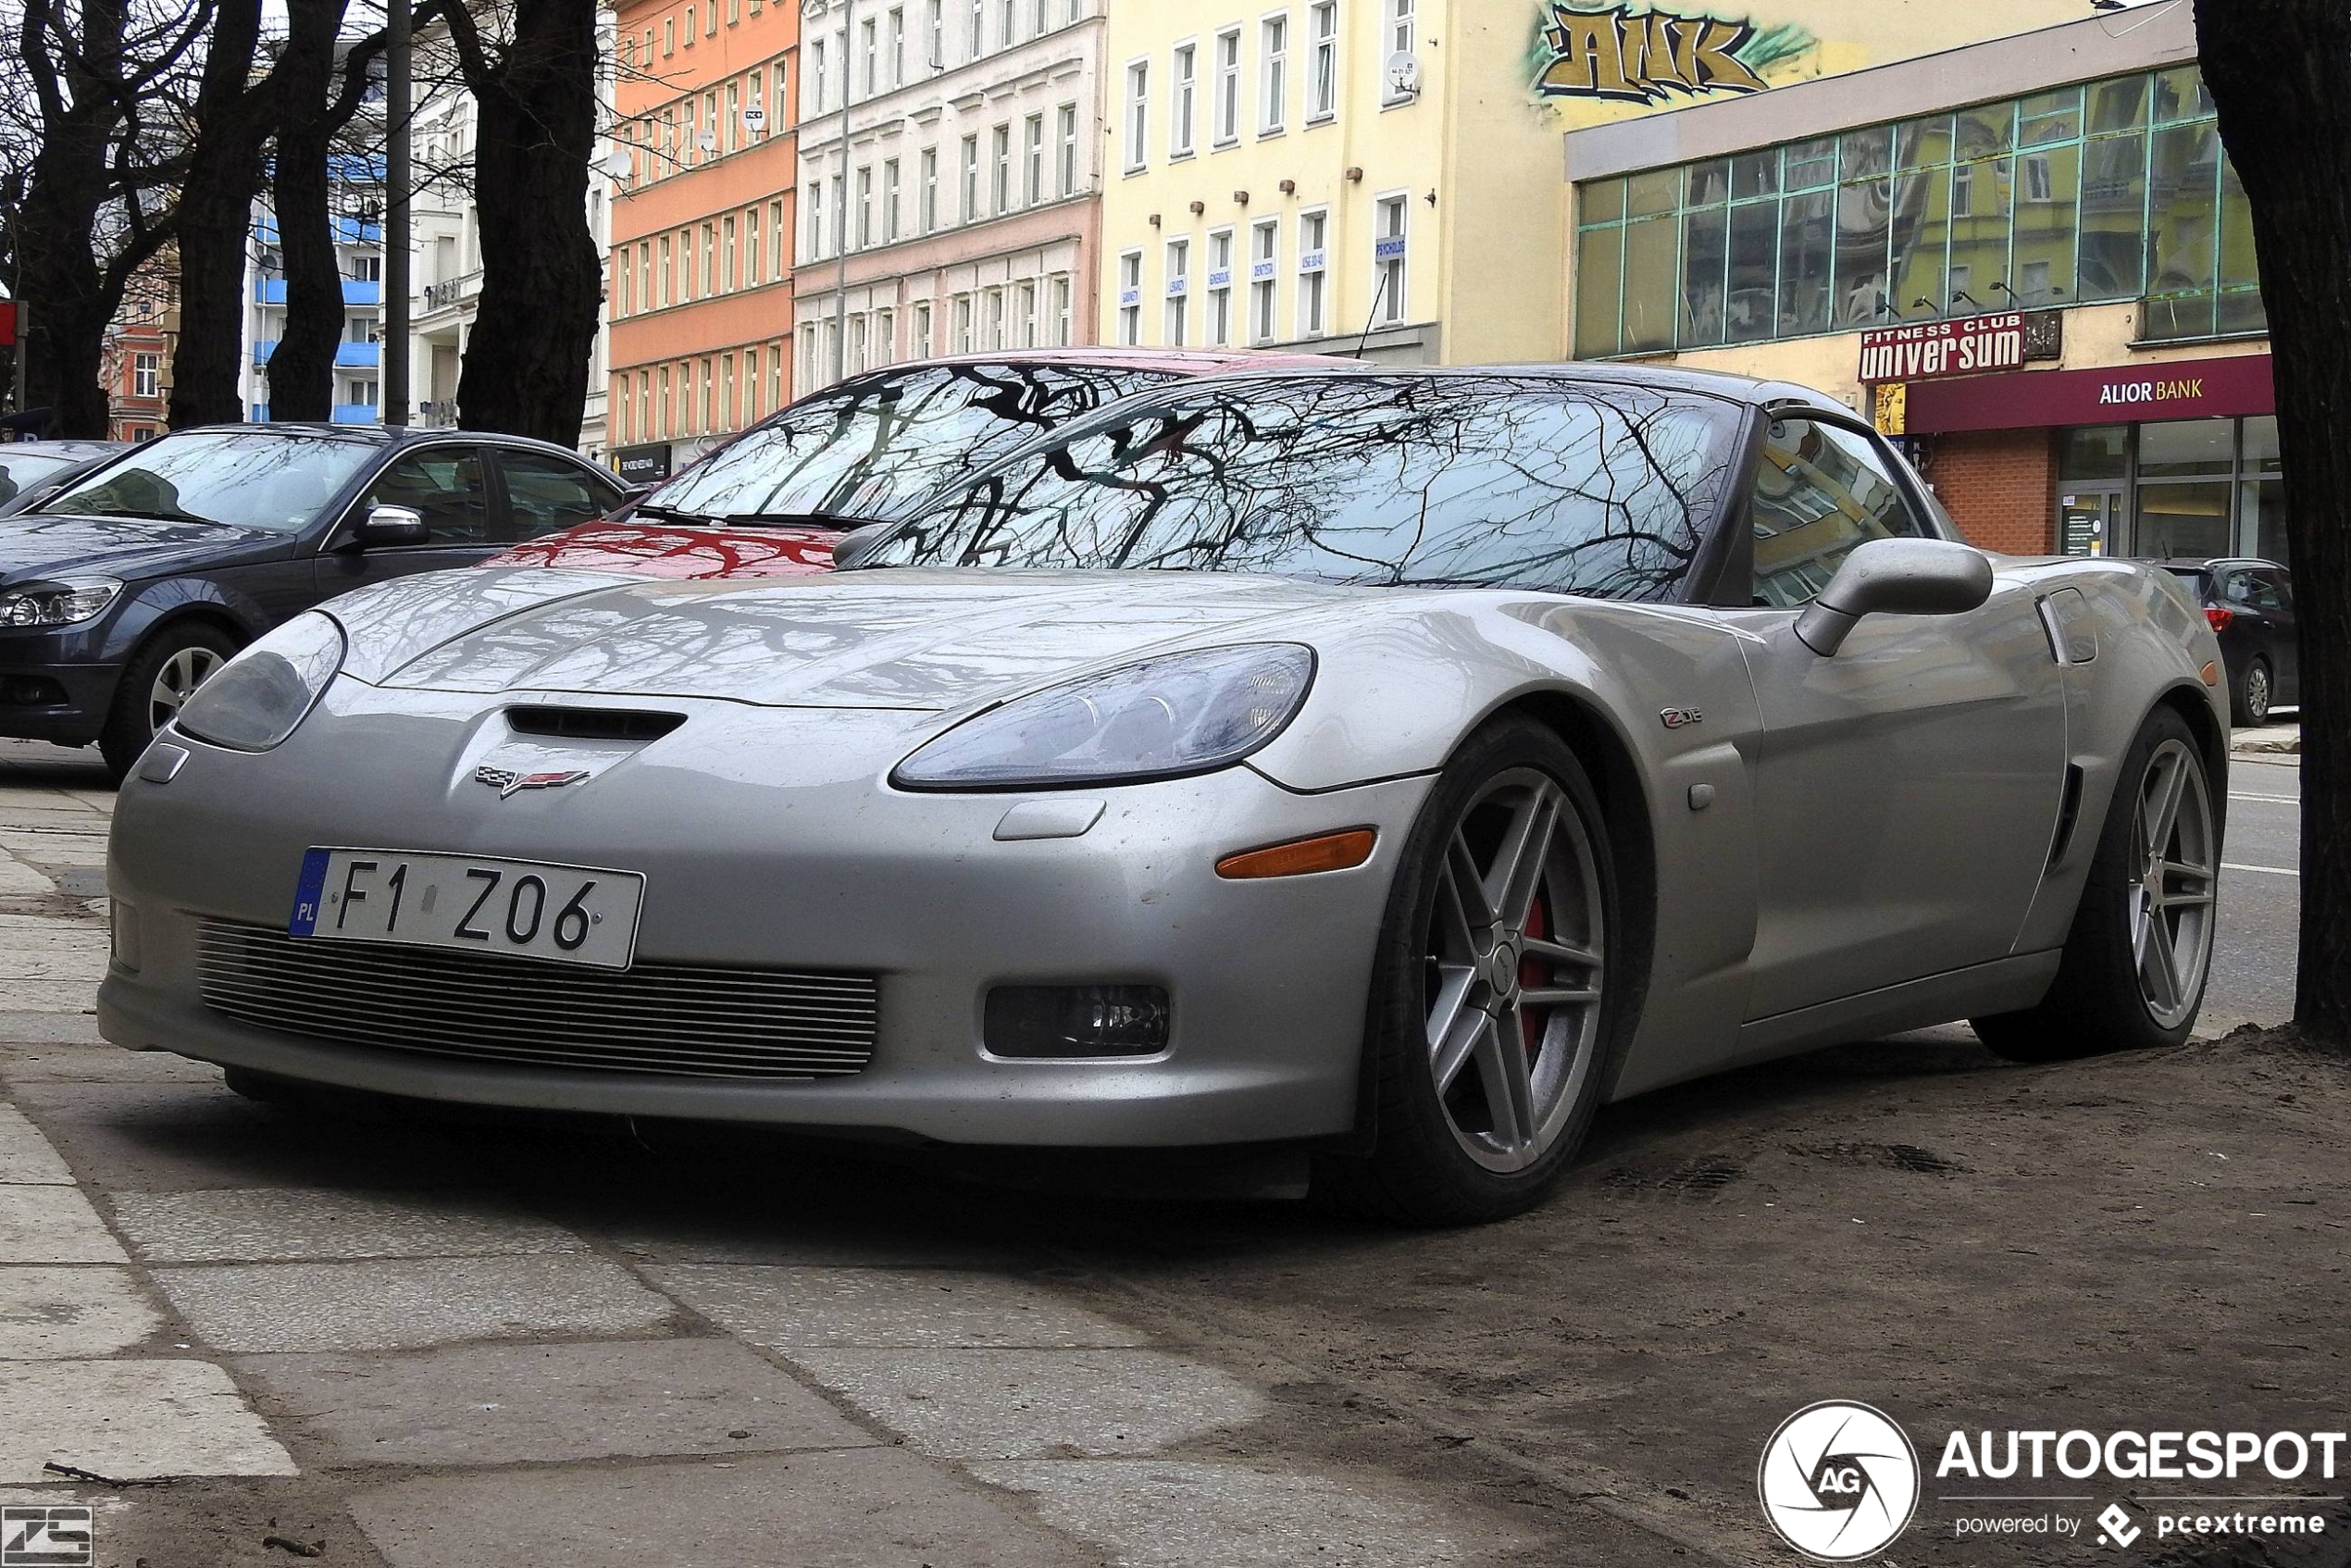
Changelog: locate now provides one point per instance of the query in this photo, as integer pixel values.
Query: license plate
(570, 914)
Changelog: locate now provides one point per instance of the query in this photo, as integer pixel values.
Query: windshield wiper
(676, 515)
(837, 522)
(146, 517)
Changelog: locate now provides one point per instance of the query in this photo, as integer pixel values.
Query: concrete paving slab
(784, 1308)
(18, 1026)
(73, 1061)
(247, 1225)
(25, 1155)
(512, 1404)
(131, 1419)
(1172, 1513)
(1036, 1404)
(20, 880)
(53, 1224)
(54, 996)
(872, 1507)
(49, 1314)
(407, 1304)
(809, 1241)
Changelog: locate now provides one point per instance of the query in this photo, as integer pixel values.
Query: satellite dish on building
(707, 139)
(620, 164)
(755, 121)
(1402, 75)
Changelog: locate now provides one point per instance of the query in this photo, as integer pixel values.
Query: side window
(1821, 490)
(444, 484)
(2260, 591)
(548, 494)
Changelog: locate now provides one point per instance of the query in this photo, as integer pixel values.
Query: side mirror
(387, 527)
(858, 543)
(1894, 577)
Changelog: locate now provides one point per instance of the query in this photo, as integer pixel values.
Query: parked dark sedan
(121, 594)
(32, 471)
(2250, 605)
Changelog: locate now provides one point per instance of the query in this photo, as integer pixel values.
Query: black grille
(654, 1018)
(593, 723)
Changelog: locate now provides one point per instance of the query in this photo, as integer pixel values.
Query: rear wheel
(2249, 703)
(1491, 1014)
(2141, 948)
(157, 683)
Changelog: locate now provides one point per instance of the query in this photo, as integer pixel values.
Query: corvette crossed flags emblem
(506, 781)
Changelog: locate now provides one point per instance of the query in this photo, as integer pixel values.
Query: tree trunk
(2280, 71)
(216, 215)
(302, 369)
(526, 367)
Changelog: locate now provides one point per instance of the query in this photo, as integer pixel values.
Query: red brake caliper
(1534, 971)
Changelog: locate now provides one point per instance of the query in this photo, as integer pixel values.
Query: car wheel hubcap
(2176, 862)
(181, 675)
(1513, 960)
(2257, 693)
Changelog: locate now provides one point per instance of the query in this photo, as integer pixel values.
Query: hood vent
(593, 723)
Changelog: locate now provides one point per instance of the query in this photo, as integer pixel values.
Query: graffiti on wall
(1625, 56)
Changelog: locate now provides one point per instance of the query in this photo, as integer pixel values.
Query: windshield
(864, 451)
(1483, 481)
(19, 471)
(274, 479)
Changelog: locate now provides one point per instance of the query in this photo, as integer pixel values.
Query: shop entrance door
(2090, 522)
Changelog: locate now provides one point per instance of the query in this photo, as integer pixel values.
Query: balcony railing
(452, 290)
(440, 415)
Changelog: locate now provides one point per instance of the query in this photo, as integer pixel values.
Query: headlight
(67, 602)
(1177, 713)
(257, 698)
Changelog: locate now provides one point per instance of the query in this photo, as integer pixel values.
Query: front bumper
(51, 689)
(833, 871)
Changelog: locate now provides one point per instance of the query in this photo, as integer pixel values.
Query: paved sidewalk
(2271, 742)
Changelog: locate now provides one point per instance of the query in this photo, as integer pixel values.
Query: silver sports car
(1394, 765)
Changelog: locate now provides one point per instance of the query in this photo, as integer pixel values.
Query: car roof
(1709, 383)
(71, 451)
(2215, 563)
(386, 435)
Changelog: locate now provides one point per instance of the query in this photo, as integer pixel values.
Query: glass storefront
(2113, 190)
(2188, 488)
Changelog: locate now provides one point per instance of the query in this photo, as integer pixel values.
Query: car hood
(647, 551)
(42, 545)
(905, 639)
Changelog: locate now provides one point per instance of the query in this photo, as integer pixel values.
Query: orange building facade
(699, 285)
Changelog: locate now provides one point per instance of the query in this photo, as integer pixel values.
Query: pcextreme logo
(1838, 1481)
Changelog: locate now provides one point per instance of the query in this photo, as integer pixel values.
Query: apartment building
(355, 197)
(949, 178)
(701, 261)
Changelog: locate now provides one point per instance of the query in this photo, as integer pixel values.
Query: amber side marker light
(2211, 674)
(1300, 857)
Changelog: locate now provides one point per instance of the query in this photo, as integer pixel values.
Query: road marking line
(2275, 799)
(2272, 870)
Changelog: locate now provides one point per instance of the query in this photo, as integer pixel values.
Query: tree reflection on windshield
(1419, 481)
(865, 450)
(274, 479)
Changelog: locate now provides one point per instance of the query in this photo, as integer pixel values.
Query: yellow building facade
(1385, 176)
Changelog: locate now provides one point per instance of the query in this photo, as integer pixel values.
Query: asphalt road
(2261, 899)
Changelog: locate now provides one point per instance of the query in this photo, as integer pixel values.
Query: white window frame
(1217, 322)
(927, 199)
(865, 207)
(146, 375)
(918, 342)
(1061, 296)
(1067, 127)
(1130, 297)
(1389, 304)
(969, 212)
(1137, 80)
(1176, 285)
(1273, 73)
(1264, 280)
(1400, 31)
(1321, 66)
(1225, 128)
(1314, 307)
(1183, 98)
(890, 201)
(1032, 159)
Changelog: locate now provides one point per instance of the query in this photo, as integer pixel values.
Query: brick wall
(2000, 485)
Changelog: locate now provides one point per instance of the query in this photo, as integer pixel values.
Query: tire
(2252, 694)
(1449, 968)
(2112, 993)
(169, 666)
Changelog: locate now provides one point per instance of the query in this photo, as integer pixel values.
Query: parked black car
(32, 471)
(122, 593)
(2250, 605)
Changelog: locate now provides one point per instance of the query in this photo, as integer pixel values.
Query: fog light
(31, 691)
(1064, 1021)
(123, 923)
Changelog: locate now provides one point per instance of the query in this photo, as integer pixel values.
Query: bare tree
(233, 114)
(302, 367)
(2280, 71)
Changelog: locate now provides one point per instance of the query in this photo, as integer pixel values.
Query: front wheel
(2135, 962)
(1492, 1008)
(159, 679)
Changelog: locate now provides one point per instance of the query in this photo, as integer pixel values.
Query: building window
(753, 252)
(146, 375)
(1387, 258)
(977, 30)
(1314, 233)
(1138, 112)
(816, 73)
(664, 273)
(890, 200)
(2118, 191)
(1178, 288)
(815, 205)
(1033, 159)
(1322, 85)
(926, 201)
(897, 46)
(775, 375)
(709, 260)
(962, 323)
(1264, 239)
(918, 347)
(934, 32)
(668, 36)
(864, 208)
(1273, 74)
(1068, 128)
(885, 337)
(1130, 297)
(1028, 314)
(970, 179)
(1183, 98)
(727, 243)
(995, 319)
(1228, 86)
(856, 345)
(869, 53)
(709, 20)
(1219, 326)
(1000, 183)
(1400, 39)
(1004, 24)
(1061, 310)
